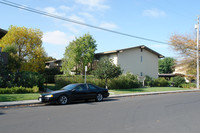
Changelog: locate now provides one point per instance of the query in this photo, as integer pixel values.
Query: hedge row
(25, 79)
(159, 82)
(126, 81)
(122, 82)
(188, 85)
(62, 80)
(177, 81)
(19, 90)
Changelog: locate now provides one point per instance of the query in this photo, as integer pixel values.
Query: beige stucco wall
(112, 56)
(130, 61)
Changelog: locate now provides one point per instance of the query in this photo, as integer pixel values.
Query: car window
(69, 87)
(81, 88)
(92, 87)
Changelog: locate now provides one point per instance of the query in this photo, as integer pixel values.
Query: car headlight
(49, 96)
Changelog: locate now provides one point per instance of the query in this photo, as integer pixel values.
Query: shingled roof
(2, 33)
(141, 46)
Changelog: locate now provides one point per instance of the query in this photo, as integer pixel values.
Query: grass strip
(150, 89)
(18, 97)
(33, 96)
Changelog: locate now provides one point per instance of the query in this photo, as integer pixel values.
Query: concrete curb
(152, 93)
(36, 102)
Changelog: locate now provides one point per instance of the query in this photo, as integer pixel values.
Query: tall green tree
(79, 53)
(13, 58)
(106, 69)
(166, 65)
(29, 47)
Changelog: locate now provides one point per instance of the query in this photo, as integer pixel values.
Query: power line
(12, 4)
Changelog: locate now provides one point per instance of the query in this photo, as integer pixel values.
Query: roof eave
(141, 46)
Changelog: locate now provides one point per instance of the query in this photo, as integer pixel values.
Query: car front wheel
(63, 100)
(99, 97)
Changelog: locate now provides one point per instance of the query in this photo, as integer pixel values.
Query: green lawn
(32, 96)
(150, 89)
(18, 97)
(135, 90)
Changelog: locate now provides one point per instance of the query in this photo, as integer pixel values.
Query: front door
(80, 92)
(92, 91)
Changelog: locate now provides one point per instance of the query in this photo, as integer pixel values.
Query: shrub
(7, 79)
(149, 81)
(49, 78)
(126, 81)
(188, 85)
(49, 74)
(160, 82)
(122, 82)
(35, 89)
(25, 79)
(178, 80)
(1, 81)
(19, 90)
(95, 81)
(63, 80)
(30, 79)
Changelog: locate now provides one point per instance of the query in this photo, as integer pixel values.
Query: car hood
(54, 92)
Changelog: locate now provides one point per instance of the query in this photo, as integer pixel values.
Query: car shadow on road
(89, 102)
(1, 113)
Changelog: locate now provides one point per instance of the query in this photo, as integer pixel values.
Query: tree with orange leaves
(28, 45)
(185, 45)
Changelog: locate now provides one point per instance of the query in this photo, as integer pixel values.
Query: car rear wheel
(99, 97)
(63, 100)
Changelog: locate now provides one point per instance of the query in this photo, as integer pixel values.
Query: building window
(141, 74)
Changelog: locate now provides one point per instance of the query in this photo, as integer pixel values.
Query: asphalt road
(171, 113)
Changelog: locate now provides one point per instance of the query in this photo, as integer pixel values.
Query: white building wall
(112, 56)
(139, 63)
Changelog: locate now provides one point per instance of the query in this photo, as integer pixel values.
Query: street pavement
(170, 113)
(32, 102)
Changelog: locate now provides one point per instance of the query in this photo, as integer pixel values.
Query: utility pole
(85, 74)
(197, 27)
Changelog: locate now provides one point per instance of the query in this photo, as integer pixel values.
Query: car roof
(83, 84)
(76, 84)
(80, 84)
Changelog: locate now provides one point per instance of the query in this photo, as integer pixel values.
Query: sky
(152, 19)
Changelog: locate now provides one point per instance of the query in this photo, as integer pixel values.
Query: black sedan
(74, 92)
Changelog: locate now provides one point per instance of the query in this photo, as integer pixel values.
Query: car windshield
(69, 87)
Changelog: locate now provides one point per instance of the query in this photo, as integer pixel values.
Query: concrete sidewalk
(19, 103)
(32, 102)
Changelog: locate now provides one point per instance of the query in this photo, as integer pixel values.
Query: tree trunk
(76, 71)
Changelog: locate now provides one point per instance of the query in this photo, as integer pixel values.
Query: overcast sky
(152, 19)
